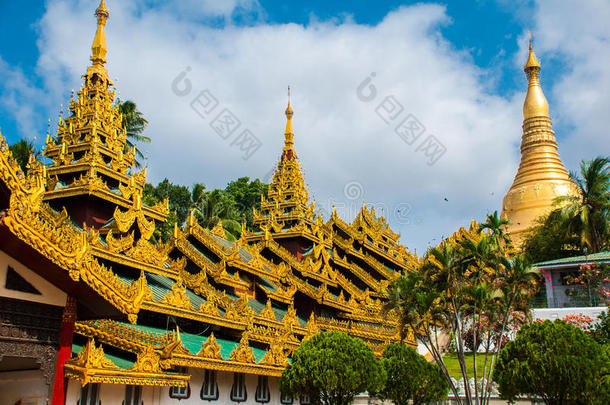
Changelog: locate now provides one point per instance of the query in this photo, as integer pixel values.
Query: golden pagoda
(541, 176)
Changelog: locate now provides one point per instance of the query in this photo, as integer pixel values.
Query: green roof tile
(594, 257)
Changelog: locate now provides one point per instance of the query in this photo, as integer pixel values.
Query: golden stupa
(541, 176)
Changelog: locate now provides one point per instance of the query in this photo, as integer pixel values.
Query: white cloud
(20, 98)
(339, 138)
(575, 34)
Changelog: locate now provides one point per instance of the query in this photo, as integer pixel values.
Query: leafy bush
(555, 361)
(331, 368)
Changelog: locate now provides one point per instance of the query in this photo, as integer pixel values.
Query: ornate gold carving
(276, 355)
(177, 297)
(146, 252)
(218, 230)
(148, 361)
(243, 352)
(119, 245)
(124, 220)
(268, 312)
(210, 349)
(209, 307)
(311, 326)
(91, 356)
(290, 318)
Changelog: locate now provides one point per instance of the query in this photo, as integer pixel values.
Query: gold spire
(541, 176)
(289, 134)
(532, 62)
(535, 104)
(289, 151)
(98, 48)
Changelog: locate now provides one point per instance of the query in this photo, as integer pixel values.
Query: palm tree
(21, 152)
(211, 207)
(418, 308)
(587, 214)
(135, 123)
(497, 229)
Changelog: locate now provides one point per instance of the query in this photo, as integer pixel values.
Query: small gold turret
(541, 176)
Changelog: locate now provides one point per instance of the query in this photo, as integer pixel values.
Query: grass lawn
(453, 366)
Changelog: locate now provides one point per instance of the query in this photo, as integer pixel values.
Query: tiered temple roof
(198, 300)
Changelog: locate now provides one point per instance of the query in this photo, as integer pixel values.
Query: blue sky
(485, 30)
(456, 66)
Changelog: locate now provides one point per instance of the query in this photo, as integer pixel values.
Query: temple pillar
(65, 351)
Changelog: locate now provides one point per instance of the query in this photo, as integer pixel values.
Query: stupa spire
(535, 104)
(99, 48)
(541, 176)
(289, 151)
(288, 133)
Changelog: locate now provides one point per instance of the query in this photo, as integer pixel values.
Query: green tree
(216, 206)
(496, 228)
(549, 240)
(555, 361)
(246, 194)
(410, 377)
(230, 206)
(179, 203)
(331, 368)
(470, 285)
(134, 123)
(21, 152)
(601, 332)
(587, 214)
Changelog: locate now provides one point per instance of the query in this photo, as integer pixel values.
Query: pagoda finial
(289, 114)
(535, 104)
(532, 62)
(98, 48)
(289, 152)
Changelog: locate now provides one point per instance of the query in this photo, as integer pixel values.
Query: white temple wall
(115, 393)
(49, 294)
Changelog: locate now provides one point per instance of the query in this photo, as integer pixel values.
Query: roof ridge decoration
(148, 360)
(243, 353)
(277, 354)
(92, 366)
(210, 349)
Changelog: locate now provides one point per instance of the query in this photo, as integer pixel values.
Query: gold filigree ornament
(137, 293)
(148, 361)
(177, 297)
(89, 361)
(268, 312)
(121, 244)
(210, 349)
(276, 355)
(243, 353)
(209, 307)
